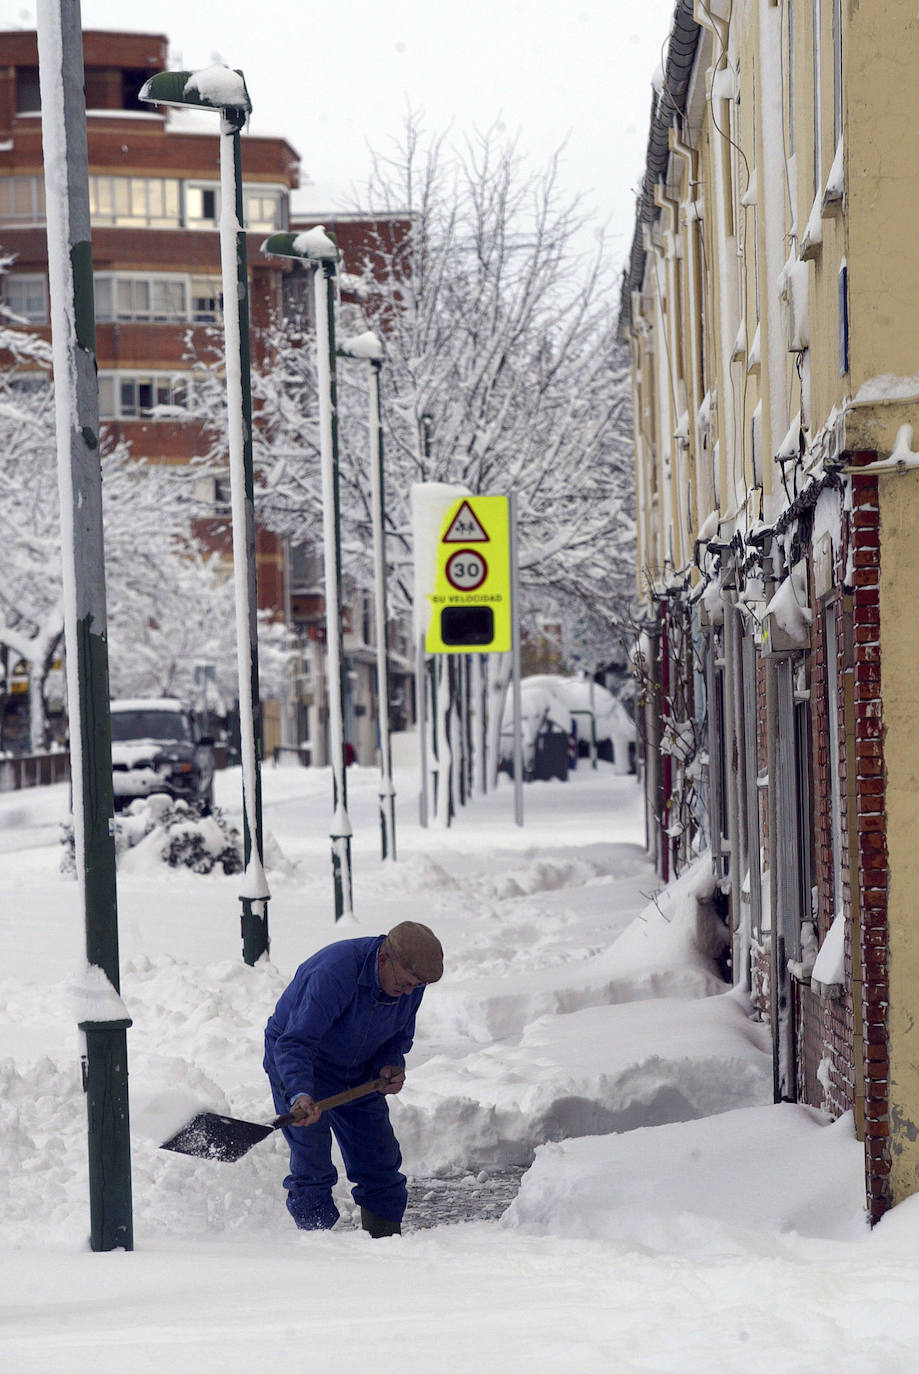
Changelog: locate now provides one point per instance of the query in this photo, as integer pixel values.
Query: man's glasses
(409, 982)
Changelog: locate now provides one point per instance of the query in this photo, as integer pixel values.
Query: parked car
(157, 747)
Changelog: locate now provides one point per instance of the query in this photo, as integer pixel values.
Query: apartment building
(154, 201)
(769, 303)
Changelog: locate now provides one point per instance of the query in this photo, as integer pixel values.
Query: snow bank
(600, 1070)
(716, 1186)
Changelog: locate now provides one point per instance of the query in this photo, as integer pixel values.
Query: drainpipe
(671, 310)
(740, 849)
(778, 972)
(665, 792)
(659, 361)
(731, 741)
(690, 216)
(728, 311)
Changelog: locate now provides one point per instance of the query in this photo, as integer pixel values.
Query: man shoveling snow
(348, 1015)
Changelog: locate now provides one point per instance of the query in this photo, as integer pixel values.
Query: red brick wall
(870, 850)
(826, 1026)
(848, 1035)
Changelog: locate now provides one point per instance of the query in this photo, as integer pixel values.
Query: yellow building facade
(769, 303)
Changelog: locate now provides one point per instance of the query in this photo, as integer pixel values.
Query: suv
(157, 747)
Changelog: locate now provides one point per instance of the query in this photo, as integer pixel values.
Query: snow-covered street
(670, 1217)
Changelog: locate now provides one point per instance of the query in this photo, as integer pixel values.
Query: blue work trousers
(368, 1147)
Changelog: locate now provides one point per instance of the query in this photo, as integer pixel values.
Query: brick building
(769, 305)
(154, 201)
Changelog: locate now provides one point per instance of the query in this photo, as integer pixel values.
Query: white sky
(332, 83)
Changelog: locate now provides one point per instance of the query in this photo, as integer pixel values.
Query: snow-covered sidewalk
(671, 1218)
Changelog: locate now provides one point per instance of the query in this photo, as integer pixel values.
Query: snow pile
(158, 830)
(789, 607)
(830, 963)
(667, 1190)
(582, 1029)
(95, 999)
(315, 244)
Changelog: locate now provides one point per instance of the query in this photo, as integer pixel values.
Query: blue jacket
(334, 1022)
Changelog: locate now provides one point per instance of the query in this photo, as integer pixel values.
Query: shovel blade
(209, 1136)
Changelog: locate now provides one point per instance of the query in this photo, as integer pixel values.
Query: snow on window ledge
(832, 204)
(812, 243)
(829, 970)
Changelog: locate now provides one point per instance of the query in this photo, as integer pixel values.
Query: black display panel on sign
(467, 625)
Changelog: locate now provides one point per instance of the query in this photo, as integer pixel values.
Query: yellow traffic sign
(471, 601)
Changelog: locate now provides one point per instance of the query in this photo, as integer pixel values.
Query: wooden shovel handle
(336, 1100)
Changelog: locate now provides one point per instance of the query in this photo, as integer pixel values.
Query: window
(153, 297)
(263, 210)
(753, 837)
(835, 779)
(842, 316)
(132, 396)
(22, 198)
(201, 206)
(793, 808)
(206, 300)
(149, 201)
(28, 93)
(25, 297)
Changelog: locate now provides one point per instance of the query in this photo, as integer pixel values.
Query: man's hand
(393, 1076)
(305, 1111)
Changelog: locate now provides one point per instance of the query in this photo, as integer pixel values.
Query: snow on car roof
(149, 704)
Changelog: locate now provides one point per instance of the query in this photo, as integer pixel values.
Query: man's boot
(379, 1226)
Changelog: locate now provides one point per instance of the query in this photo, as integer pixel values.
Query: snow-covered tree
(168, 606)
(502, 368)
(181, 616)
(502, 371)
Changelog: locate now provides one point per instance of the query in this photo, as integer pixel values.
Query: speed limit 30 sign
(466, 570)
(471, 601)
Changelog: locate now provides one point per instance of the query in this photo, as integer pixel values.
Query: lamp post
(104, 1020)
(369, 346)
(316, 248)
(224, 91)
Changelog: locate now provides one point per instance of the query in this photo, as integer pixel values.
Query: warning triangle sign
(465, 528)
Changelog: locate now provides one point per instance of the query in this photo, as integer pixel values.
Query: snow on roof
(149, 704)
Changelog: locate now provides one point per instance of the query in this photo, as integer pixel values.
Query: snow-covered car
(588, 703)
(574, 705)
(157, 747)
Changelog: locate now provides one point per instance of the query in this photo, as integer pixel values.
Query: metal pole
(340, 833)
(481, 679)
(515, 661)
(593, 720)
(387, 790)
(437, 792)
(73, 332)
(255, 894)
(421, 712)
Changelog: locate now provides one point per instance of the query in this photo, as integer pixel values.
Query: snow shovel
(209, 1136)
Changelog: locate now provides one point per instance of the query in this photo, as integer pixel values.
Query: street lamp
(224, 91)
(320, 252)
(368, 346)
(104, 1021)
